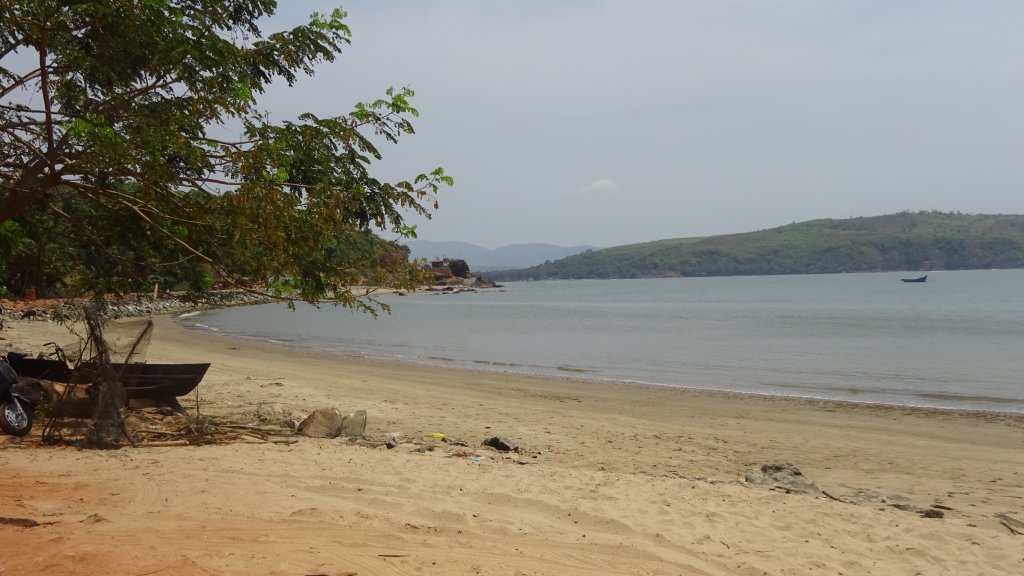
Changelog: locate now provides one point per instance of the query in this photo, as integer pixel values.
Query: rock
(330, 423)
(321, 423)
(502, 444)
(353, 424)
(782, 475)
(933, 514)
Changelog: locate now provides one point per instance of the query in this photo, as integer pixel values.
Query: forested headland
(894, 242)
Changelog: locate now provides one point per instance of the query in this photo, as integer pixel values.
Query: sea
(955, 341)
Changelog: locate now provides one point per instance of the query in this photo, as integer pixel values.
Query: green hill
(895, 242)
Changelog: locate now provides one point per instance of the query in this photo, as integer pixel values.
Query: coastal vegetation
(134, 152)
(903, 241)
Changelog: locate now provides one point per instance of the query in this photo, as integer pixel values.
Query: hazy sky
(614, 122)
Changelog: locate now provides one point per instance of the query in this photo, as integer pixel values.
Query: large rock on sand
(784, 476)
(353, 424)
(330, 423)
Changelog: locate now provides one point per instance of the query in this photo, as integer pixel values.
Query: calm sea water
(955, 341)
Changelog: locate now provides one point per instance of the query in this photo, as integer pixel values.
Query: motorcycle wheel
(14, 420)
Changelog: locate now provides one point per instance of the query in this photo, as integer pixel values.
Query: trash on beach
(437, 435)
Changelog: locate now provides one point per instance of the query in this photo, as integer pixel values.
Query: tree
(110, 115)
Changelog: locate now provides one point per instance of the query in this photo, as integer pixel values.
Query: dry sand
(611, 479)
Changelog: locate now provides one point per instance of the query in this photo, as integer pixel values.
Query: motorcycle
(15, 409)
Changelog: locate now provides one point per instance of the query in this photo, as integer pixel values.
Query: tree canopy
(116, 172)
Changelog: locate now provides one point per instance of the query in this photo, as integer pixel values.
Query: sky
(605, 123)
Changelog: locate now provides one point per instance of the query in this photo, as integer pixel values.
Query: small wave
(967, 398)
(572, 369)
(495, 363)
(197, 325)
(190, 314)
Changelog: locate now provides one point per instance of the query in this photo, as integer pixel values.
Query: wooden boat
(920, 279)
(156, 381)
(41, 368)
(149, 381)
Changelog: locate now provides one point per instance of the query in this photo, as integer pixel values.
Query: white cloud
(600, 187)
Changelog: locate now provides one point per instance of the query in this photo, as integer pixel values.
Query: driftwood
(210, 436)
(831, 497)
(259, 429)
(177, 431)
(157, 428)
(264, 438)
(164, 443)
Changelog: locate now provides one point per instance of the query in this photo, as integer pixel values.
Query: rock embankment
(131, 306)
(181, 304)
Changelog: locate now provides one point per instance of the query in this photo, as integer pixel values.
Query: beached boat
(148, 381)
(919, 279)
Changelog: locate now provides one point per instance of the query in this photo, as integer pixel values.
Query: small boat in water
(920, 279)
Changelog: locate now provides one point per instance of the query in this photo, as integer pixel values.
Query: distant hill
(482, 259)
(895, 242)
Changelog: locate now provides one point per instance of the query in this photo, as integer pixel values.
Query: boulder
(322, 423)
(330, 423)
(353, 424)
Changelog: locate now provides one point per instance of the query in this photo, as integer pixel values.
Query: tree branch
(20, 82)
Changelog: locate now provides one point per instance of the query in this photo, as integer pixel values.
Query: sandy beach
(609, 479)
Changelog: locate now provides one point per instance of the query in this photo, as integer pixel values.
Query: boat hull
(140, 381)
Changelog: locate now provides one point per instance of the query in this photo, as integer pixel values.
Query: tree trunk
(108, 427)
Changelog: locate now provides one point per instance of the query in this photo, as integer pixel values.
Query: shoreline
(464, 366)
(610, 479)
